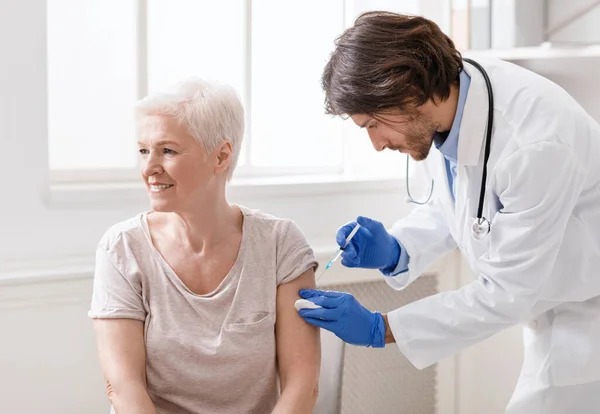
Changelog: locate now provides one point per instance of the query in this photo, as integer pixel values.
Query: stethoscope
(481, 226)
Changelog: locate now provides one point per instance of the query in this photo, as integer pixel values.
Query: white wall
(48, 360)
(519, 23)
(584, 29)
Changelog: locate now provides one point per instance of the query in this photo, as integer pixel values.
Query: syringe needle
(338, 253)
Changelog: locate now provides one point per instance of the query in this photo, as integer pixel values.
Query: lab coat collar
(447, 143)
(474, 120)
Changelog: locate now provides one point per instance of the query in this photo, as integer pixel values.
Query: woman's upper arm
(121, 350)
(118, 313)
(298, 343)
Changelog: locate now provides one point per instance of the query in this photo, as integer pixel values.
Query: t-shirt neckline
(169, 271)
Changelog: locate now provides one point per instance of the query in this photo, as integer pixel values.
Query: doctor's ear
(223, 156)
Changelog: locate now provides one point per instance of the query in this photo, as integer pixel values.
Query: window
(103, 55)
(92, 81)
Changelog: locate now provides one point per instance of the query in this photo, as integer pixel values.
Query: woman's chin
(161, 206)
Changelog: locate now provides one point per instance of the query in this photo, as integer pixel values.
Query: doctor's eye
(372, 125)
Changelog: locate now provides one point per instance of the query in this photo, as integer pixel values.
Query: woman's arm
(123, 361)
(298, 350)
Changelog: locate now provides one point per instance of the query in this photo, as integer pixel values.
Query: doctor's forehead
(361, 119)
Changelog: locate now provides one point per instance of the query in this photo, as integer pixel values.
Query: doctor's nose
(378, 143)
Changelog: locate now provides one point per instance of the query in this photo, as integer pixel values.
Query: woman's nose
(151, 166)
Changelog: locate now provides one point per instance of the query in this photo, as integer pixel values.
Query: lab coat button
(532, 324)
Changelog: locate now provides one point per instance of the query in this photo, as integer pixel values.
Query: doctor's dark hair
(389, 61)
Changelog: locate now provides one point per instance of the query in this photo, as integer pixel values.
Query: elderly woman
(193, 301)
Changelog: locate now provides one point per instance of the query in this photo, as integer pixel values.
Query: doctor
(517, 173)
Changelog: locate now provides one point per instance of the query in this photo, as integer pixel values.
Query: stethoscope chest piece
(480, 228)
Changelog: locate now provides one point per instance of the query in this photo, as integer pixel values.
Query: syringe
(338, 253)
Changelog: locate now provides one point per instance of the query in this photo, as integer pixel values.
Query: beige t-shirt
(212, 353)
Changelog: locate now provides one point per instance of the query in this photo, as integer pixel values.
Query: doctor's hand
(372, 247)
(341, 314)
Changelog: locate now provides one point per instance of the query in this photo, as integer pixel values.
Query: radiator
(382, 381)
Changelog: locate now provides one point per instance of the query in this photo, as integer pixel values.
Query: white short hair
(210, 111)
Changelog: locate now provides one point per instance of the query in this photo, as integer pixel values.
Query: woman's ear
(223, 153)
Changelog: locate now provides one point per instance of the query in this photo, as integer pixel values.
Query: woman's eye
(143, 151)
(373, 125)
(169, 151)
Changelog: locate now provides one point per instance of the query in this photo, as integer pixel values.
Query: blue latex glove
(372, 247)
(344, 316)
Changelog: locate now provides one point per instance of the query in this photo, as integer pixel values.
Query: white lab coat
(539, 265)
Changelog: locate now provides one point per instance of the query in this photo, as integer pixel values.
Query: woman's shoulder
(126, 231)
(264, 220)
(292, 252)
(269, 225)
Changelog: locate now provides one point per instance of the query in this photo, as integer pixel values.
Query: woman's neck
(208, 225)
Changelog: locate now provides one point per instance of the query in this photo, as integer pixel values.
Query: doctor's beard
(418, 133)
